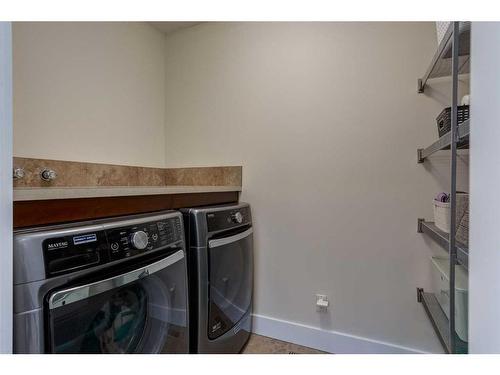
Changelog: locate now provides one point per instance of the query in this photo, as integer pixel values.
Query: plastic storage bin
(441, 286)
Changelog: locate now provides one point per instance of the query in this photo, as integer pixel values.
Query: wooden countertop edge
(37, 212)
(51, 193)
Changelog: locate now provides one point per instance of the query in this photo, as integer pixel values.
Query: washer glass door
(139, 311)
(231, 280)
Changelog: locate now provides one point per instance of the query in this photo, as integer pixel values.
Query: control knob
(139, 240)
(237, 217)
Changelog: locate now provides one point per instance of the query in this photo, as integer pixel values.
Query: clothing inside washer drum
(114, 325)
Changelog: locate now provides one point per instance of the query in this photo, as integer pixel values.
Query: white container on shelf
(442, 215)
(442, 211)
(441, 286)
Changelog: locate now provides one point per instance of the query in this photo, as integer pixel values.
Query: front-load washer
(220, 257)
(107, 286)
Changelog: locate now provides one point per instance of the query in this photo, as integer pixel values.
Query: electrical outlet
(322, 302)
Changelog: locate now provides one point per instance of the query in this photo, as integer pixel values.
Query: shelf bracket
(420, 159)
(419, 294)
(420, 86)
(419, 225)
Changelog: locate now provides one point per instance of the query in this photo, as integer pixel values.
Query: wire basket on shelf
(444, 119)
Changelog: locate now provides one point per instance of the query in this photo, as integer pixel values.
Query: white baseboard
(328, 341)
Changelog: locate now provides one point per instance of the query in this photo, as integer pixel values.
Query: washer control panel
(70, 253)
(125, 242)
(63, 254)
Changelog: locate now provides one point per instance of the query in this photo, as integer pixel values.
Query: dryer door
(231, 280)
(140, 311)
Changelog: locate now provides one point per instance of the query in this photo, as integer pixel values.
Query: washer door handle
(78, 293)
(143, 274)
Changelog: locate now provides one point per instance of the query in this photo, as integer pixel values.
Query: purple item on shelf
(443, 197)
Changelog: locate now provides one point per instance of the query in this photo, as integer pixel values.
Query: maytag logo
(57, 245)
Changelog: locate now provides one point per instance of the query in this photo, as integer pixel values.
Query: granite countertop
(45, 193)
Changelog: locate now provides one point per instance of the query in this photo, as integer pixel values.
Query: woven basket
(441, 28)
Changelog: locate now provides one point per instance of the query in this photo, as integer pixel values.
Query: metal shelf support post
(453, 188)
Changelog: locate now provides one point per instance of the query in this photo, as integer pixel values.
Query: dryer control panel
(227, 219)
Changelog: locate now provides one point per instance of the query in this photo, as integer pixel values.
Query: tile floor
(265, 345)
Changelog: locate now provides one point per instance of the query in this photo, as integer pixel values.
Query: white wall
(6, 281)
(89, 92)
(484, 296)
(326, 120)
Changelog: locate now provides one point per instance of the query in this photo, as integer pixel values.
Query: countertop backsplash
(81, 174)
